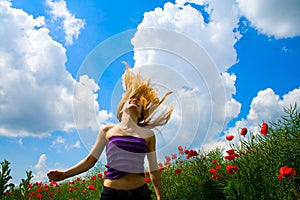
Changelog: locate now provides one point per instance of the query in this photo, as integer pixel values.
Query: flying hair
(136, 87)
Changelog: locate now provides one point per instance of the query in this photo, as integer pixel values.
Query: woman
(127, 144)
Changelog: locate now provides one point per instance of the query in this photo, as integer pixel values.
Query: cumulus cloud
(86, 107)
(279, 18)
(41, 169)
(36, 90)
(266, 106)
(71, 25)
(183, 53)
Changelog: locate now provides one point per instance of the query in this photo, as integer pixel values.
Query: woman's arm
(85, 164)
(153, 167)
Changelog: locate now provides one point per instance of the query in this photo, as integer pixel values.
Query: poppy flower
(167, 162)
(264, 129)
(168, 158)
(174, 156)
(186, 151)
(230, 152)
(180, 149)
(212, 170)
(177, 171)
(287, 172)
(214, 161)
(51, 194)
(91, 187)
(214, 176)
(244, 132)
(160, 164)
(231, 169)
(230, 157)
(217, 167)
(147, 180)
(100, 175)
(192, 153)
(229, 137)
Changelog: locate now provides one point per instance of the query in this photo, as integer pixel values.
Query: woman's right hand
(56, 175)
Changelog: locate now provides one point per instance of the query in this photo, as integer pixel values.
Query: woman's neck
(128, 122)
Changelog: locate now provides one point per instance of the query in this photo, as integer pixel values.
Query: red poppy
(229, 137)
(180, 149)
(167, 162)
(100, 175)
(287, 172)
(244, 131)
(231, 169)
(53, 183)
(93, 178)
(91, 187)
(71, 182)
(214, 176)
(264, 129)
(214, 161)
(230, 152)
(230, 157)
(84, 191)
(217, 167)
(147, 180)
(39, 196)
(177, 171)
(174, 156)
(168, 158)
(192, 153)
(71, 190)
(212, 171)
(160, 164)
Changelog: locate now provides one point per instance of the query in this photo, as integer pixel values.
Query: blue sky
(230, 64)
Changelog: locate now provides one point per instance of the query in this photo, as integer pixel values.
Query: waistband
(142, 190)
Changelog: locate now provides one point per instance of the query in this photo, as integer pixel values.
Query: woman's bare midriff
(127, 182)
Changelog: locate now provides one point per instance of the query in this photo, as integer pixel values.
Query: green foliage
(263, 157)
(5, 177)
(203, 175)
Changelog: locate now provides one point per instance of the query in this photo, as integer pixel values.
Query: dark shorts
(140, 193)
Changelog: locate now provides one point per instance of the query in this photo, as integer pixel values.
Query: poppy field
(261, 166)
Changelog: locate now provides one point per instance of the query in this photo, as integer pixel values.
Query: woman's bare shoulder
(107, 127)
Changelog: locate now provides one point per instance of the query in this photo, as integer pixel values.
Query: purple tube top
(125, 154)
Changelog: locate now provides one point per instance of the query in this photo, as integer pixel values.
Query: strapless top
(125, 154)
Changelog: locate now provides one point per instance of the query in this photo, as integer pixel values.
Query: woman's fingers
(55, 175)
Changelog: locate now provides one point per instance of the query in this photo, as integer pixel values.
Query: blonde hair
(139, 89)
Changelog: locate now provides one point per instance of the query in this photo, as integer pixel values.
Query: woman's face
(133, 103)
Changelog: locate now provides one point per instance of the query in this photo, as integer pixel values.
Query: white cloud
(58, 140)
(72, 26)
(266, 106)
(36, 90)
(87, 113)
(190, 57)
(41, 169)
(279, 18)
(76, 145)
